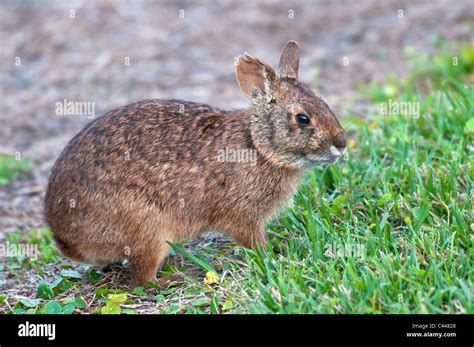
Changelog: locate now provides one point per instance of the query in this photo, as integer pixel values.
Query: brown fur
(148, 172)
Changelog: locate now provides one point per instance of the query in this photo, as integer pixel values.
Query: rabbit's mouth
(307, 161)
(327, 158)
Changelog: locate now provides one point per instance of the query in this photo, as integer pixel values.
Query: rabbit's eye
(302, 119)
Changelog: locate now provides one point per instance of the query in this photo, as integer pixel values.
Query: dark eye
(302, 119)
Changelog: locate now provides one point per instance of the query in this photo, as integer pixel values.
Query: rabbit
(159, 171)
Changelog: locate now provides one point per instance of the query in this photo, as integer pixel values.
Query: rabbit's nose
(340, 141)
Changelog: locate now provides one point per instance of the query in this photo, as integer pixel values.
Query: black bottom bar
(400, 330)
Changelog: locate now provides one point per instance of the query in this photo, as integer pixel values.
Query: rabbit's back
(135, 147)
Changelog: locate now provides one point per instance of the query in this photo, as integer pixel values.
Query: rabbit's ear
(290, 60)
(255, 78)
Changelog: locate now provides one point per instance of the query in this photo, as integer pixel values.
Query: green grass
(11, 167)
(388, 230)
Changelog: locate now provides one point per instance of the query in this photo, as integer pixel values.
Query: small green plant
(12, 167)
(196, 258)
(39, 241)
(112, 304)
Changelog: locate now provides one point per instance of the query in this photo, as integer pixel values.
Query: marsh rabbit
(167, 170)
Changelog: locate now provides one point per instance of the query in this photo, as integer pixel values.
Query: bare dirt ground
(186, 51)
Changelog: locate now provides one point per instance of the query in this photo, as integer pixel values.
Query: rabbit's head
(289, 125)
